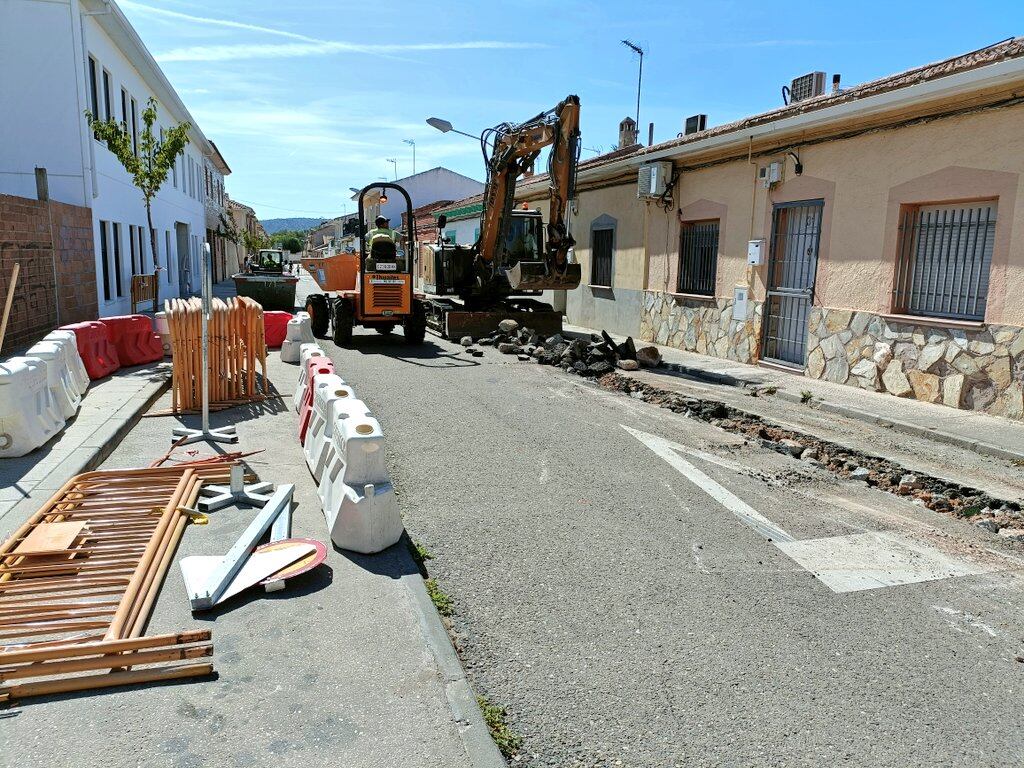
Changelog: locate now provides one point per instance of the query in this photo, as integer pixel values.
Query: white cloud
(141, 8)
(325, 47)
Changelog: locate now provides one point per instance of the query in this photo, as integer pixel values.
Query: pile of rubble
(985, 511)
(596, 357)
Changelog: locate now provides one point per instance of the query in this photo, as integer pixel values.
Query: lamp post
(640, 51)
(445, 127)
(412, 144)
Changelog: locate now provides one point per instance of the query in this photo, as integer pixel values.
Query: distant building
(424, 188)
(61, 59)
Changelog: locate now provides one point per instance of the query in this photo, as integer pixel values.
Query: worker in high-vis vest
(386, 241)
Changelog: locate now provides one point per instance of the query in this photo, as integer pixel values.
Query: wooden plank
(49, 538)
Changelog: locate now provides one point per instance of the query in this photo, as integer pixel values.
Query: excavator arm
(515, 148)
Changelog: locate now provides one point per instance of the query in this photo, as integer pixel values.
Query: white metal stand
(220, 496)
(221, 434)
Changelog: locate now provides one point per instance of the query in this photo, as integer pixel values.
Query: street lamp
(412, 144)
(638, 50)
(444, 127)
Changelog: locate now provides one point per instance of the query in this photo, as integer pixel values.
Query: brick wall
(53, 243)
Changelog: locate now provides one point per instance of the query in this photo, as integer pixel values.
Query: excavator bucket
(535, 276)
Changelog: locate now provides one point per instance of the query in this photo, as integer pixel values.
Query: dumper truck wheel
(319, 314)
(344, 319)
(415, 326)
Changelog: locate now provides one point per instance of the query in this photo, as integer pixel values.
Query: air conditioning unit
(695, 123)
(653, 179)
(807, 87)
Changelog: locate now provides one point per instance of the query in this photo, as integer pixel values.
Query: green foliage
(157, 153)
(228, 229)
(494, 716)
(806, 396)
(443, 602)
(253, 242)
(290, 243)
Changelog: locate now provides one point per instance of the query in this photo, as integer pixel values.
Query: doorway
(792, 271)
(184, 259)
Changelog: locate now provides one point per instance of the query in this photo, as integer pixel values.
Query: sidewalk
(110, 408)
(348, 665)
(989, 435)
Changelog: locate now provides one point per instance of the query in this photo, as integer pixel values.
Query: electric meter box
(755, 253)
(740, 294)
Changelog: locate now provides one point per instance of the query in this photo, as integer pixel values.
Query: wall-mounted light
(798, 168)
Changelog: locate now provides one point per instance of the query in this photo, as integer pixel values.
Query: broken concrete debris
(999, 516)
(591, 358)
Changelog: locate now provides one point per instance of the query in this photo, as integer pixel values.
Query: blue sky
(307, 98)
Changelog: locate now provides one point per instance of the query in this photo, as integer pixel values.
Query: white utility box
(739, 302)
(755, 253)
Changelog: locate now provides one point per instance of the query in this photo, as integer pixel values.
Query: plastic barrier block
(28, 415)
(326, 389)
(275, 327)
(69, 345)
(317, 366)
(134, 339)
(306, 352)
(358, 499)
(95, 347)
(298, 332)
(60, 380)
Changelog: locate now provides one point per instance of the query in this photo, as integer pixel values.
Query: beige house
(872, 236)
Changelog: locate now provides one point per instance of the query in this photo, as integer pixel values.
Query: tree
(292, 244)
(253, 242)
(150, 165)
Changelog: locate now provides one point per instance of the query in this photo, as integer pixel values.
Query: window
(167, 254)
(124, 108)
(132, 248)
(108, 111)
(143, 236)
(449, 235)
(602, 251)
(94, 95)
(105, 260)
(117, 267)
(135, 127)
(943, 260)
(698, 257)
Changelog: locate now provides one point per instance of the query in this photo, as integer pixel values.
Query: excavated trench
(934, 493)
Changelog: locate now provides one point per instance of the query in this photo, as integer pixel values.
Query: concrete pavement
(110, 408)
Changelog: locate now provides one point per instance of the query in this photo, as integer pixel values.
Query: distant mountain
(274, 226)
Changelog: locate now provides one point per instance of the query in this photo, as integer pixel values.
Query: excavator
(470, 289)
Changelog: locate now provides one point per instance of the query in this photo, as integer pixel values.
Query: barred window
(602, 251)
(698, 257)
(943, 260)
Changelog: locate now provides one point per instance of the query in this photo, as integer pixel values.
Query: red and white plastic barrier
(69, 346)
(327, 388)
(95, 347)
(317, 366)
(299, 331)
(134, 339)
(275, 327)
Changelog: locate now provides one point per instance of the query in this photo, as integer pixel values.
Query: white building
(425, 187)
(59, 58)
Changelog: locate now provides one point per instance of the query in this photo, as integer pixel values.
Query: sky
(307, 98)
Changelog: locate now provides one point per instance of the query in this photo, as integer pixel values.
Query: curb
(476, 738)
(905, 427)
(99, 453)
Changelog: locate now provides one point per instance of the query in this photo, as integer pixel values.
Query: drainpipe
(94, 192)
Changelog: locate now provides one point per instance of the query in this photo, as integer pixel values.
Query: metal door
(792, 268)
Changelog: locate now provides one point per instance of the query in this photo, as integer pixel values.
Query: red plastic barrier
(134, 338)
(275, 327)
(313, 367)
(95, 347)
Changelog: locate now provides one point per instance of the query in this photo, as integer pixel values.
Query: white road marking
(667, 450)
(968, 619)
(860, 561)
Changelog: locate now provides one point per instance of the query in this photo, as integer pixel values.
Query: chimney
(650, 135)
(835, 82)
(627, 133)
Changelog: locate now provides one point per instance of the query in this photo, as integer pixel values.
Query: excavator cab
(525, 261)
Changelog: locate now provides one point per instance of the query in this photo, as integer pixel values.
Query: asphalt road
(625, 616)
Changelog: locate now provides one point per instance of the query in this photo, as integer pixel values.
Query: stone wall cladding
(976, 369)
(53, 243)
(705, 327)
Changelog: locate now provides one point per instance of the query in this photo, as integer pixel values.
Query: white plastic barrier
(306, 351)
(163, 330)
(327, 387)
(298, 332)
(358, 499)
(63, 388)
(28, 416)
(69, 343)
